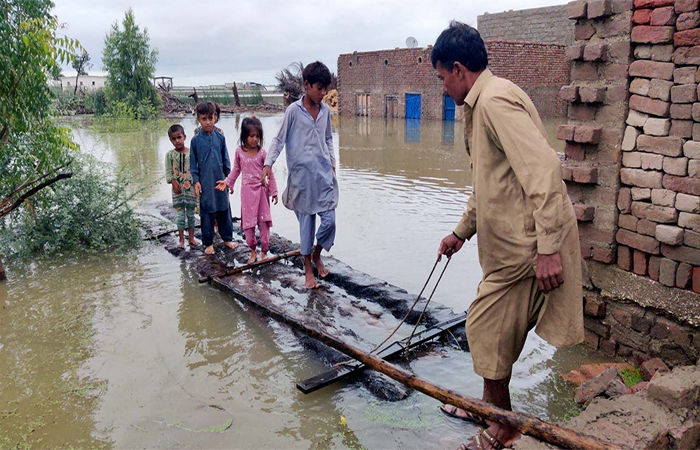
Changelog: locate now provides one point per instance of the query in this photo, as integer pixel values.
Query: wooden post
(524, 423)
(3, 275)
(235, 95)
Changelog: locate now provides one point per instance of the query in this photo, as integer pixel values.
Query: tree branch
(6, 210)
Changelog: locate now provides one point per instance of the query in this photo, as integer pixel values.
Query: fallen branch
(251, 265)
(6, 210)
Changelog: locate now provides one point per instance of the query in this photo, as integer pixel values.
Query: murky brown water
(130, 351)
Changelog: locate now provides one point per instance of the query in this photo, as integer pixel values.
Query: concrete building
(548, 24)
(86, 83)
(403, 83)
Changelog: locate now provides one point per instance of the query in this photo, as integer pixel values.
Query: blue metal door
(448, 112)
(413, 106)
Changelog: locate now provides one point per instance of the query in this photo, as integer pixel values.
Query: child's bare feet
(253, 257)
(316, 256)
(209, 250)
(181, 244)
(263, 256)
(193, 242)
(230, 244)
(310, 281)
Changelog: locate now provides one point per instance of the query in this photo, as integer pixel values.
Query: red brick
(687, 38)
(651, 3)
(644, 243)
(646, 34)
(685, 185)
(569, 94)
(576, 9)
(649, 105)
(586, 250)
(591, 94)
(640, 262)
(566, 173)
(668, 234)
(624, 258)
(640, 193)
(681, 253)
(691, 238)
(587, 134)
(684, 274)
(684, 75)
(667, 272)
(646, 227)
(595, 52)
(615, 94)
(654, 267)
(654, 213)
(684, 93)
(660, 145)
(681, 128)
(566, 132)
(687, 55)
(624, 200)
(681, 111)
(696, 279)
(574, 52)
(583, 112)
(685, 5)
(651, 69)
(599, 8)
(583, 31)
(585, 175)
(574, 151)
(641, 178)
(688, 20)
(627, 221)
(689, 220)
(663, 16)
(650, 367)
(604, 255)
(584, 213)
(641, 16)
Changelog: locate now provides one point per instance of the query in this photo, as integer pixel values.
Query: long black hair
(249, 124)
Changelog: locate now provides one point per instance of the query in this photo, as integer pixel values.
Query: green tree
(130, 65)
(81, 62)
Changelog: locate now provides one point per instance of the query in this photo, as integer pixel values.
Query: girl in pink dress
(255, 196)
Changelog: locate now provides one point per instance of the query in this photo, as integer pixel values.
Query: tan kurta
(520, 206)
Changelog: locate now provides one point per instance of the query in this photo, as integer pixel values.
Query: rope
(410, 310)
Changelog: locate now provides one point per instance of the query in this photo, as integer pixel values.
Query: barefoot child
(209, 162)
(255, 196)
(312, 188)
(177, 173)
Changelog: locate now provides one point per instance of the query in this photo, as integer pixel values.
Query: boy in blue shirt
(209, 163)
(312, 188)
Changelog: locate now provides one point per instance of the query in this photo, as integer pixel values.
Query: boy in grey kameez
(312, 188)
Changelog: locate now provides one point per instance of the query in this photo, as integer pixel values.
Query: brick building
(403, 83)
(548, 24)
(633, 172)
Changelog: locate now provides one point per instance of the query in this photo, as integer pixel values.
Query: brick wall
(633, 172)
(549, 24)
(540, 69)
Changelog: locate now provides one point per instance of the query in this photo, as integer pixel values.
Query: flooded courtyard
(131, 351)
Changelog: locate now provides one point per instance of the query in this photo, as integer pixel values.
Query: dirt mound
(331, 99)
(172, 104)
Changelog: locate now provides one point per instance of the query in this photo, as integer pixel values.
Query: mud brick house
(633, 172)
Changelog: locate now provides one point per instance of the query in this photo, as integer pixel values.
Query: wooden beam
(524, 423)
(251, 266)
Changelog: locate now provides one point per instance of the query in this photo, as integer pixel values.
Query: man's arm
(453, 242)
(329, 141)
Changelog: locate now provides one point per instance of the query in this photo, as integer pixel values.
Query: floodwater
(131, 351)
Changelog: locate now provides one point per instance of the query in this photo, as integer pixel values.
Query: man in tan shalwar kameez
(525, 224)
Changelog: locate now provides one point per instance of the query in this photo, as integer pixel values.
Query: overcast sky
(218, 41)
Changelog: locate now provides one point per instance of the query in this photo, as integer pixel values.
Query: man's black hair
(460, 42)
(175, 128)
(249, 124)
(317, 72)
(205, 109)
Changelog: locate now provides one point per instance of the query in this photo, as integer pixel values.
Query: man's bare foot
(253, 257)
(263, 255)
(181, 244)
(231, 244)
(320, 267)
(494, 437)
(309, 273)
(310, 282)
(209, 250)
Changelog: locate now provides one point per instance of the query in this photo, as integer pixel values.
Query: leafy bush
(88, 212)
(96, 102)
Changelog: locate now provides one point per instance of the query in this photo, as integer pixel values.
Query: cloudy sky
(217, 41)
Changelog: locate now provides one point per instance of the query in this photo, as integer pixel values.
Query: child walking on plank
(312, 188)
(177, 173)
(209, 163)
(255, 196)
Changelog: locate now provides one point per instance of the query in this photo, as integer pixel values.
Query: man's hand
(265, 175)
(221, 186)
(197, 189)
(549, 272)
(449, 245)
